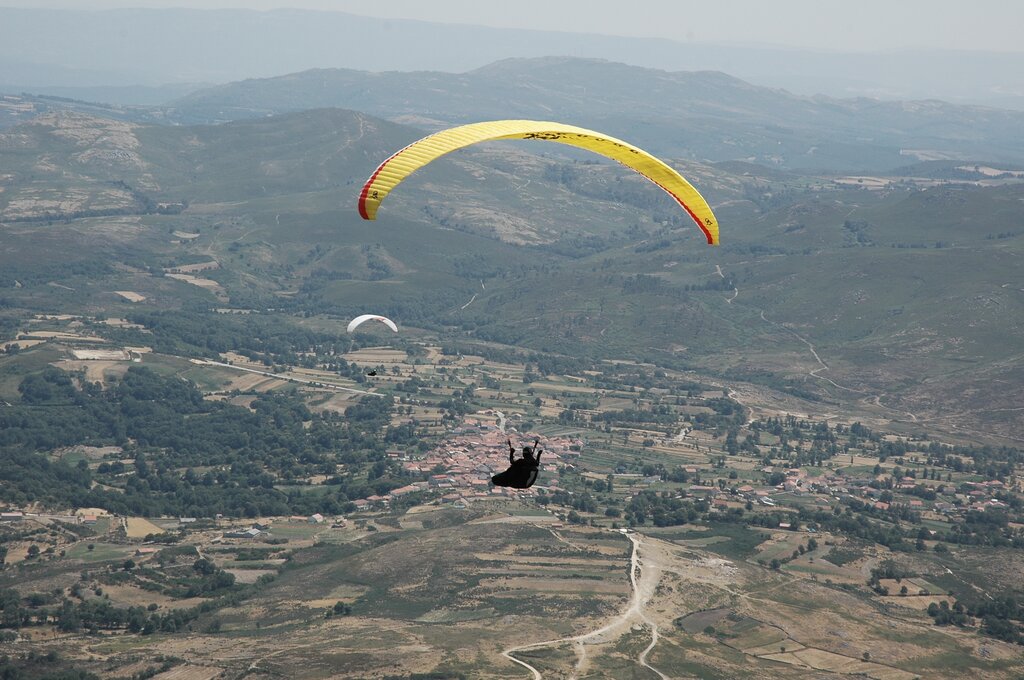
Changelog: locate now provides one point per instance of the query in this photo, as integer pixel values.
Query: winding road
(279, 376)
(735, 290)
(822, 366)
(643, 588)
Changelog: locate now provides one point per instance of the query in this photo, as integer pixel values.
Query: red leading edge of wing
(707, 234)
(366, 189)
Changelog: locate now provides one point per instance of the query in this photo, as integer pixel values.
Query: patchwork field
(139, 527)
(543, 581)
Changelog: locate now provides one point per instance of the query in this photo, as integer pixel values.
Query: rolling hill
(905, 287)
(698, 115)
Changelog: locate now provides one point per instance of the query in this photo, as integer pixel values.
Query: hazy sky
(855, 25)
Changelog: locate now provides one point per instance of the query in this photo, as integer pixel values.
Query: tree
(339, 609)
(33, 551)
(204, 566)
(136, 619)
(68, 620)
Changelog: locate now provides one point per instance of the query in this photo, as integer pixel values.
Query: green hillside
(907, 290)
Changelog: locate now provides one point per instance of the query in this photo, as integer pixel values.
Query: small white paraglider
(354, 323)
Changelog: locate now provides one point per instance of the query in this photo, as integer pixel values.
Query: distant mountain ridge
(699, 115)
(702, 116)
(46, 48)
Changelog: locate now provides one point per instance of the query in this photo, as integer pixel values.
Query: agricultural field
(737, 571)
(481, 580)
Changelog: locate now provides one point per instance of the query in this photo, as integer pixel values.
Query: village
(458, 469)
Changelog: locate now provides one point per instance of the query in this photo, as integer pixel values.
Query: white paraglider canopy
(354, 323)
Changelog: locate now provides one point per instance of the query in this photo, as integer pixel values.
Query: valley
(796, 454)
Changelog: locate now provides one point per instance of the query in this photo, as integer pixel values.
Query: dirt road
(643, 586)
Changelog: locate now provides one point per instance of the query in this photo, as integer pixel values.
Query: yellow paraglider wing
(416, 155)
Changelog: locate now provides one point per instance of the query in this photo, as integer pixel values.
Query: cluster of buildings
(461, 467)
(259, 528)
(979, 497)
(825, 488)
(87, 518)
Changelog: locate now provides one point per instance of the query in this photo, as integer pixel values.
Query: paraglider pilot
(522, 472)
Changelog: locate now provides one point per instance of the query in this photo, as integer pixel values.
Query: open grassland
(415, 594)
(139, 527)
(101, 552)
(449, 599)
